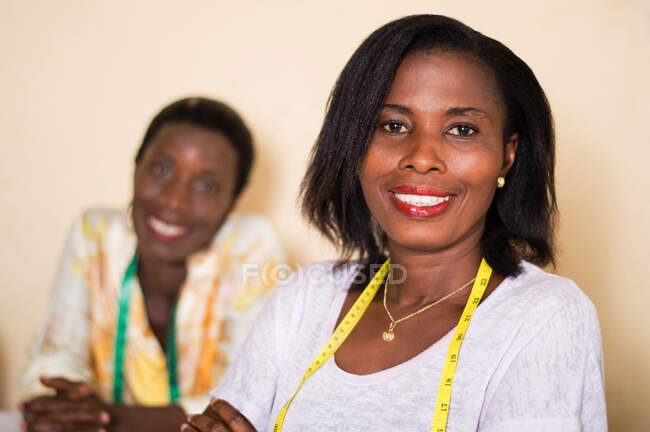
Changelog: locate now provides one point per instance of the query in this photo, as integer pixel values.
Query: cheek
(379, 163)
(212, 210)
(369, 187)
(484, 160)
(145, 188)
(478, 172)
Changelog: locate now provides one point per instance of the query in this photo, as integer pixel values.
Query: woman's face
(431, 169)
(183, 190)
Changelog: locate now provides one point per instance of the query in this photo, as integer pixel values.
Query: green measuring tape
(356, 312)
(121, 335)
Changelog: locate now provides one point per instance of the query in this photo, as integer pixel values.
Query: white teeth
(421, 200)
(166, 229)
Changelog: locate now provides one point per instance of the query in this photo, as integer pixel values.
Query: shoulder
(248, 221)
(318, 278)
(536, 300)
(314, 287)
(546, 291)
(244, 231)
(108, 230)
(98, 225)
(541, 333)
(103, 216)
(325, 275)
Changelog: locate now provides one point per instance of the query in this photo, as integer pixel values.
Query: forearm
(125, 418)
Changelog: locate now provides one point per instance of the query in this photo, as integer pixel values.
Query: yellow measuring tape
(356, 312)
(448, 372)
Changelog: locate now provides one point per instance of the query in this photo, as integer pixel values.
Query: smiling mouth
(164, 229)
(421, 200)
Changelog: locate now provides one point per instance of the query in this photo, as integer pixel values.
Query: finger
(57, 383)
(188, 428)
(29, 418)
(38, 405)
(77, 418)
(36, 411)
(89, 429)
(207, 424)
(48, 405)
(73, 389)
(210, 412)
(233, 418)
(80, 391)
(44, 426)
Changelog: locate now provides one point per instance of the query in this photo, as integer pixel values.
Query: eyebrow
(210, 172)
(449, 112)
(164, 156)
(466, 110)
(400, 108)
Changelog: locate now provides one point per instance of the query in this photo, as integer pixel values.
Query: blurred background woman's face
(183, 190)
(432, 165)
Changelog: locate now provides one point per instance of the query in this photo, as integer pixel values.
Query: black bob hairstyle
(521, 219)
(211, 115)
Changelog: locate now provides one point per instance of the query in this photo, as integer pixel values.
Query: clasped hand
(73, 408)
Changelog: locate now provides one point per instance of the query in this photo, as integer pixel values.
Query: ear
(509, 153)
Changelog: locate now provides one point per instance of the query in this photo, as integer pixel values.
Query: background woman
(437, 151)
(149, 308)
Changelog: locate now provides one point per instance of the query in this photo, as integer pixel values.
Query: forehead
(439, 80)
(188, 141)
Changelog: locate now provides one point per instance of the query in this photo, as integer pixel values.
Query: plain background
(80, 81)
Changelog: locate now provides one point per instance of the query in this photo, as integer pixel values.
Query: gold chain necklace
(389, 334)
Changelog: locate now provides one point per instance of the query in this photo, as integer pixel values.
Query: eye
(205, 186)
(462, 131)
(159, 169)
(394, 127)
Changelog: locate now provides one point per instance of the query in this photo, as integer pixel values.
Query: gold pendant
(389, 335)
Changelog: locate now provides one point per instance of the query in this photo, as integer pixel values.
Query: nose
(424, 153)
(176, 198)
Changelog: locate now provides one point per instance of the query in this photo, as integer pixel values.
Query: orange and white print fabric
(225, 288)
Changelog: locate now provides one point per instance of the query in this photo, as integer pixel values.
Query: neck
(427, 276)
(161, 278)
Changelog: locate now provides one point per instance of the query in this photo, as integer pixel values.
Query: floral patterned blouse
(224, 290)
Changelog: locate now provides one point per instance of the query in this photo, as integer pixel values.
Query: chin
(149, 246)
(162, 254)
(418, 240)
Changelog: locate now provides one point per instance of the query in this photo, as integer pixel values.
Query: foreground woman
(437, 152)
(149, 308)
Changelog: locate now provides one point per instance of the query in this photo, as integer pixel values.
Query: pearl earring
(501, 182)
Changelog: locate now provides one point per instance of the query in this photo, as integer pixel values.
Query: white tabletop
(10, 421)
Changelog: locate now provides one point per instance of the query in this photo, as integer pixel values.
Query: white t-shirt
(530, 361)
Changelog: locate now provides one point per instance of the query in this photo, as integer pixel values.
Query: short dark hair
(521, 219)
(211, 115)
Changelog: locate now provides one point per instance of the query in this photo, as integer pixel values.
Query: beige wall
(79, 81)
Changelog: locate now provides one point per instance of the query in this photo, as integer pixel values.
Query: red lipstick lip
(420, 212)
(419, 190)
